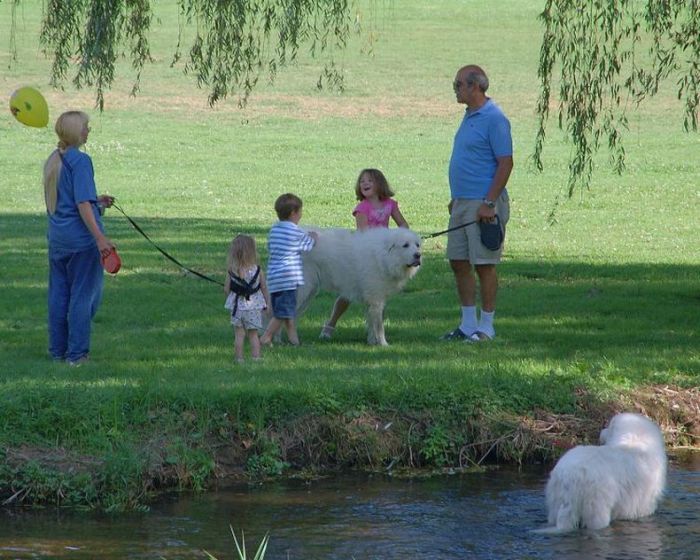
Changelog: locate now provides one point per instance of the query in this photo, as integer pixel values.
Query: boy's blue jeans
(75, 291)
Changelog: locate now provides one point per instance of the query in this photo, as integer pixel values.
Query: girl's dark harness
(242, 287)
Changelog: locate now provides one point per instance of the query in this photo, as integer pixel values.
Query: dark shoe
(456, 334)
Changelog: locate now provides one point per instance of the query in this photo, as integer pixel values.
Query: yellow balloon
(29, 107)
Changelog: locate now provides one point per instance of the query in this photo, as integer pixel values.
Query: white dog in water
(623, 478)
(364, 266)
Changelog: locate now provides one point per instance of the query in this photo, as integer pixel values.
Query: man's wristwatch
(489, 203)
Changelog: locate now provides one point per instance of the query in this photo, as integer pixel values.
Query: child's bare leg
(339, 307)
(272, 328)
(238, 342)
(254, 340)
(292, 335)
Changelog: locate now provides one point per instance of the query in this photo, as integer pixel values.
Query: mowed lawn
(599, 294)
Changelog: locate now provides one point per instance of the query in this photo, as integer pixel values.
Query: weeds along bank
(129, 453)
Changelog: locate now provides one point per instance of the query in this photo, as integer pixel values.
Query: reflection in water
(481, 516)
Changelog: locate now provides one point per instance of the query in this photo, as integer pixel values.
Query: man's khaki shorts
(464, 244)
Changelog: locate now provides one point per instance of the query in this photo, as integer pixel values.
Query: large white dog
(364, 266)
(623, 478)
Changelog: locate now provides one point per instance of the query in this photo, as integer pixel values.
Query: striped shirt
(285, 244)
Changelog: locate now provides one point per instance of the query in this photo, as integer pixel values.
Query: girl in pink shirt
(374, 210)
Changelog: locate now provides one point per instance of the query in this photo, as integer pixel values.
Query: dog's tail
(568, 517)
(566, 520)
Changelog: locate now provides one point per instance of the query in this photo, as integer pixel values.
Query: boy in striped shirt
(286, 242)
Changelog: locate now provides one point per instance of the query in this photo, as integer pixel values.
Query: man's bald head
(473, 74)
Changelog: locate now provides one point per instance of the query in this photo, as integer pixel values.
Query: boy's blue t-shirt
(483, 136)
(76, 184)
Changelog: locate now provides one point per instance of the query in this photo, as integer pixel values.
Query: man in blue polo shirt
(481, 162)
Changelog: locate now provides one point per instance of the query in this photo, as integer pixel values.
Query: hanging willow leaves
(235, 41)
(613, 54)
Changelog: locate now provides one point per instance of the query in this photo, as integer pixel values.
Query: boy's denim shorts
(284, 304)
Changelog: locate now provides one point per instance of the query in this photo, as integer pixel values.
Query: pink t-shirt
(376, 217)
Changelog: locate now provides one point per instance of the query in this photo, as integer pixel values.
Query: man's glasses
(458, 84)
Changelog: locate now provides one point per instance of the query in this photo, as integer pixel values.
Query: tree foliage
(235, 41)
(612, 54)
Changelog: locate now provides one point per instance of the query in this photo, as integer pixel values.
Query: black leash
(431, 235)
(163, 252)
(205, 277)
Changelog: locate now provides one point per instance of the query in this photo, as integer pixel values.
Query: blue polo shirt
(483, 136)
(76, 184)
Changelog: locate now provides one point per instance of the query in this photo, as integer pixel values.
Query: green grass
(605, 299)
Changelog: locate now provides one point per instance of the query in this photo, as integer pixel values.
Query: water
(476, 516)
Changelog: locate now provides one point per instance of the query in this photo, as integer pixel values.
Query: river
(486, 515)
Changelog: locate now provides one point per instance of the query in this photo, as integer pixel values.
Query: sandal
(326, 332)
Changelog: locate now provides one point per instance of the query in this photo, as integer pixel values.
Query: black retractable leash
(205, 277)
(163, 252)
(431, 235)
(491, 233)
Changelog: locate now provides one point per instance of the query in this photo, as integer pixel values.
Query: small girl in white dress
(246, 294)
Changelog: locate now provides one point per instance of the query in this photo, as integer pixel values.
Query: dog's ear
(389, 242)
(392, 244)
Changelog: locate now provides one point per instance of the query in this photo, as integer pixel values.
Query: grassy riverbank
(598, 309)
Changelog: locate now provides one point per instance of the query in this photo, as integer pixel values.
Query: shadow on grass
(638, 321)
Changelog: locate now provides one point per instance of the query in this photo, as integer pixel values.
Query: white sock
(468, 325)
(486, 323)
